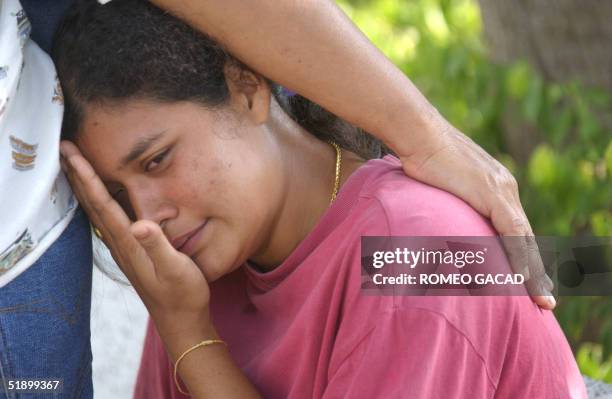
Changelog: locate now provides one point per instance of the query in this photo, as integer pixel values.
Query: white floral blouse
(36, 203)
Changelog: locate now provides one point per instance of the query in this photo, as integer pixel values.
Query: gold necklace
(338, 165)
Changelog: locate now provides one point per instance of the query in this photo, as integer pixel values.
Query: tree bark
(562, 39)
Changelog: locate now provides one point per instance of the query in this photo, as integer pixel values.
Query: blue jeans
(44, 318)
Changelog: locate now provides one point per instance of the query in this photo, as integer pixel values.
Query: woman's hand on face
(453, 162)
(170, 284)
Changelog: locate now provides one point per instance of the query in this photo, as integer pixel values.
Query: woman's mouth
(187, 243)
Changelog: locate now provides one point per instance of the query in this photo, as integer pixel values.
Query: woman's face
(206, 176)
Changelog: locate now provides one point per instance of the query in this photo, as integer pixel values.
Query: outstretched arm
(311, 47)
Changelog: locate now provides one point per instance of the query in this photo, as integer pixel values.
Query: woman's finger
(133, 258)
(106, 214)
(97, 196)
(76, 190)
(168, 263)
(179, 285)
(105, 236)
(85, 201)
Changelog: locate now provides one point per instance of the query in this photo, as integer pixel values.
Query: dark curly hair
(131, 49)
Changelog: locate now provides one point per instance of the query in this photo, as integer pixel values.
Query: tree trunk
(562, 39)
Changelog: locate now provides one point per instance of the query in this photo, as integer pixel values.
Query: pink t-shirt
(305, 329)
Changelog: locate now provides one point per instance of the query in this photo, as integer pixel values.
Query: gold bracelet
(200, 345)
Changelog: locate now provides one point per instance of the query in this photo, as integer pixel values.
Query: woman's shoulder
(412, 208)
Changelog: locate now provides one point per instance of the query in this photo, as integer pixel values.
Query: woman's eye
(153, 163)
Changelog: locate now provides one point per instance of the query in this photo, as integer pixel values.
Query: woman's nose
(149, 206)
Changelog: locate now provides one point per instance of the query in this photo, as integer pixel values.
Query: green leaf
(533, 99)
(587, 121)
(601, 223)
(542, 167)
(562, 125)
(517, 80)
(608, 158)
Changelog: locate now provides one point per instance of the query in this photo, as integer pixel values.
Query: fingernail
(551, 301)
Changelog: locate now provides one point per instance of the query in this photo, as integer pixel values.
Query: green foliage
(592, 363)
(566, 184)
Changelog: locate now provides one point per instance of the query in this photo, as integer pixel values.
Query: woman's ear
(249, 92)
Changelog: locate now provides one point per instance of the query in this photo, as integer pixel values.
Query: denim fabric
(44, 317)
(45, 17)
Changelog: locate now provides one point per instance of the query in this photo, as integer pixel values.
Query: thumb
(162, 254)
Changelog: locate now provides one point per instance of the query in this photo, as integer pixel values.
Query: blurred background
(531, 82)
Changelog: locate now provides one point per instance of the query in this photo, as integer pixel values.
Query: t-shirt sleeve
(411, 353)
